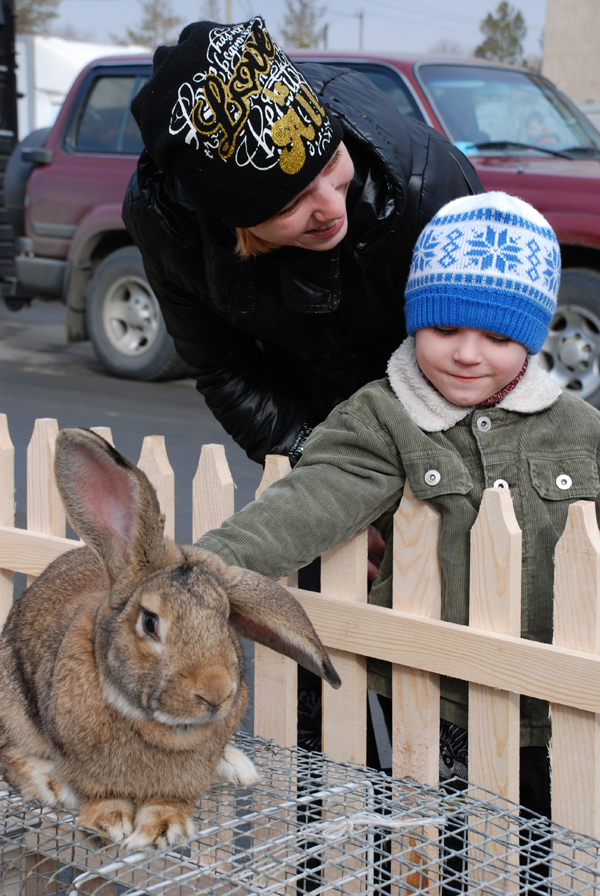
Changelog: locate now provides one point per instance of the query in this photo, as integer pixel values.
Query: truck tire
(125, 323)
(571, 353)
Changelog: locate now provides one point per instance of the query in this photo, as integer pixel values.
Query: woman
(276, 208)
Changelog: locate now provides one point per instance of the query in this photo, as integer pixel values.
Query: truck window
(105, 123)
(392, 84)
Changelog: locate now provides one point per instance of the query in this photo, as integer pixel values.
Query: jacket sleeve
(350, 474)
(256, 406)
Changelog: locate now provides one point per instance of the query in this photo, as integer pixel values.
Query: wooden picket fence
(489, 653)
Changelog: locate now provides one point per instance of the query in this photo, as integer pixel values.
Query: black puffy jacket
(278, 340)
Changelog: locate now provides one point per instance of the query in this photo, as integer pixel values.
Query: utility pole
(228, 13)
(361, 19)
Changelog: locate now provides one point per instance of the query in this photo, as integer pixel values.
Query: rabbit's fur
(120, 670)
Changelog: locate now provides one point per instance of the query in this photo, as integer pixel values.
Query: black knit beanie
(239, 126)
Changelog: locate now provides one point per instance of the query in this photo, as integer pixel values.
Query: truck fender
(100, 221)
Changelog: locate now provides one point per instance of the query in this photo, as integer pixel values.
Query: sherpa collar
(434, 413)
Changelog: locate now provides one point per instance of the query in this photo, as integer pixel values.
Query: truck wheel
(125, 322)
(571, 353)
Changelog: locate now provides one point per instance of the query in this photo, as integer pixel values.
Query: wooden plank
(105, 432)
(575, 750)
(344, 574)
(31, 552)
(155, 464)
(559, 674)
(495, 605)
(275, 676)
(212, 491)
(416, 589)
(7, 511)
(45, 512)
(494, 715)
(513, 664)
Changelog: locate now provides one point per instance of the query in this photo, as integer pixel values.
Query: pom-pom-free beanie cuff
(489, 261)
(235, 121)
(451, 307)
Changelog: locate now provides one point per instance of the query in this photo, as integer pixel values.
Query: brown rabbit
(120, 669)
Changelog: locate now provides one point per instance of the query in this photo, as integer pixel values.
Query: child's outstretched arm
(349, 475)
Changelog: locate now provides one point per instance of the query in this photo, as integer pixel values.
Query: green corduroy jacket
(353, 472)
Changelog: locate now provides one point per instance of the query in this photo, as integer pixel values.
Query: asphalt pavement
(41, 375)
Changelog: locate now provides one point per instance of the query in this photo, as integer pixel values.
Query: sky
(397, 26)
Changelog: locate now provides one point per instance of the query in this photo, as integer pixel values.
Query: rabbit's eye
(150, 623)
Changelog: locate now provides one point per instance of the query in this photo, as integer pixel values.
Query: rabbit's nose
(214, 694)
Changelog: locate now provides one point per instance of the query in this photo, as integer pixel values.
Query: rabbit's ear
(266, 612)
(109, 502)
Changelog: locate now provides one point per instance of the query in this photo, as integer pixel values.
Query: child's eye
(499, 340)
(445, 331)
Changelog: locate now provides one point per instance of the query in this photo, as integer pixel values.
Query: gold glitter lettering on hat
(229, 103)
(291, 129)
(279, 94)
(311, 105)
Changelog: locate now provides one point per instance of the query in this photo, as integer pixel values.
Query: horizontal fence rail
(489, 654)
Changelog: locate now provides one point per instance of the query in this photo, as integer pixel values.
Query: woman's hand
(376, 548)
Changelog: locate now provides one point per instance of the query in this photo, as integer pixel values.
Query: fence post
(104, 432)
(7, 510)
(344, 574)
(416, 589)
(45, 511)
(155, 464)
(494, 715)
(212, 491)
(275, 676)
(495, 605)
(575, 749)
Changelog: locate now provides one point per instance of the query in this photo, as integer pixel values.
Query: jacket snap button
(563, 481)
(484, 424)
(432, 477)
(500, 483)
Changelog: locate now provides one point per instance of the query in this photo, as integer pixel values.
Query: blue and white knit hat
(489, 261)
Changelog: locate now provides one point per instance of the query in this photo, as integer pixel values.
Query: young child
(465, 406)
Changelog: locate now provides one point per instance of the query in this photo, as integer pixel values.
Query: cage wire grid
(309, 825)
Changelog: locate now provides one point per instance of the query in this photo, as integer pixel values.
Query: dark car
(522, 135)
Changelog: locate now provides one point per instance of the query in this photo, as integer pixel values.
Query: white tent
(46, 69)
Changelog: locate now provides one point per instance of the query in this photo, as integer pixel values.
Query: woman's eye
(150, 624)
(289, 209)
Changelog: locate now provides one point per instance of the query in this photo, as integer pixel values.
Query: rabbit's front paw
(36, 779)
(111, 818)
(161, 824)
(235, 767)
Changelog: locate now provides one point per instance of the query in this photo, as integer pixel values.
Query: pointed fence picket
(488, 653)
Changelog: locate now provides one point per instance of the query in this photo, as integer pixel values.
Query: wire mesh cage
(309, 825)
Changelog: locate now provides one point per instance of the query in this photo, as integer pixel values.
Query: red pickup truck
(64, 189)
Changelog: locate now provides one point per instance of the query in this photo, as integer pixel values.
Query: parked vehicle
(522, 135)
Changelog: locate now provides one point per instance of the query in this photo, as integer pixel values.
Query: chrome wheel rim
(571, 352)
(131, 317)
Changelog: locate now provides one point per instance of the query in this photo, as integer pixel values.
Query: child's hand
(376, 548)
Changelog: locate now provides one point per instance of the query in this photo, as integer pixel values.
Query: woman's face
(316, 218)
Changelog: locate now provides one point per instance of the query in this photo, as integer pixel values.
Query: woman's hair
(248, 244)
